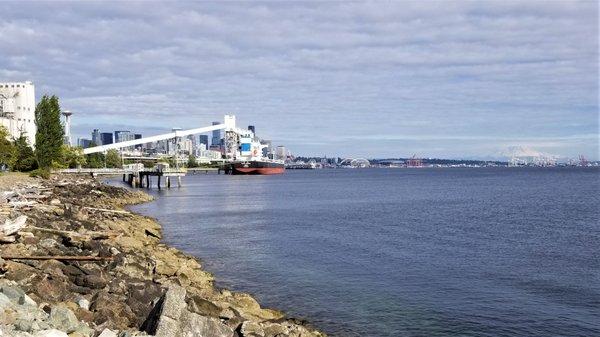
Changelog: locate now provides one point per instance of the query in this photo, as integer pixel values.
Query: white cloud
(312, 73)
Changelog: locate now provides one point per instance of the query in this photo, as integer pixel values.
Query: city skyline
(462, 80)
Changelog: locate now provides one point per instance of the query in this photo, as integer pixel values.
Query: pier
(136, 175)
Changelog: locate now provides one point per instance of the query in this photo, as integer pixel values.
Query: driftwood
(93, 235)
(12, 226)
(107, 210)
(58, 257)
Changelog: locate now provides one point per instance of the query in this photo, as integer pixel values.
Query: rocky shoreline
(82, 265)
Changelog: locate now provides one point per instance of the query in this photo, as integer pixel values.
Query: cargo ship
(257, 167)
(248, 157)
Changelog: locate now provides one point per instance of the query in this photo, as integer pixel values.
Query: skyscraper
(138, 136)
(216, 136)
(106, 138)
(96, 137)
(204, 140)
(123, 135)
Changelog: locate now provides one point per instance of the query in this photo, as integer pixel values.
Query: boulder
(12, 292)
(251, 329)
(64, 319)
(174, 302)
(194, 325)
(170, 308)
(111, 308)
(204, 307)
(91, 281)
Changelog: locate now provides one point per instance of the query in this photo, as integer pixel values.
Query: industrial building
(17, 109)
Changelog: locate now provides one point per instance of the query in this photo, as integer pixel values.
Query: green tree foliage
(8, 152)
(95, 160)
(25, 158)
(192, 161)
(50, 132)
(73, 157)
(113, 159)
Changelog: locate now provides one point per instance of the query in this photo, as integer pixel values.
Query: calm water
(424, 252)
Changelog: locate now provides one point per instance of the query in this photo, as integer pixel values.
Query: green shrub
(40, 172)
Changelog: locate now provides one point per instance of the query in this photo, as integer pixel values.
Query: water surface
(401, 252)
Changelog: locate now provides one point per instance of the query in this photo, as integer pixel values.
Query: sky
(451, 79)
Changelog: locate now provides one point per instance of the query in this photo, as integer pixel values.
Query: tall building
(203, 140)
(123, 135)
(106, 138)
(84, 142)
(138, 136)
(216, 136)
(17, 109)
(96, 137)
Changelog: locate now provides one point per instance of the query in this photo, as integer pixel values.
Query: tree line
(50, 150)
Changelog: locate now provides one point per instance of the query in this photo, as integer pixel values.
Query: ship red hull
(263, 170)
(256, 167)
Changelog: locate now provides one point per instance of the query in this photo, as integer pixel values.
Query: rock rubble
(78, 264)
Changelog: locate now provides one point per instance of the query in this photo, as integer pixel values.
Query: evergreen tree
(113, 159)
(7, 150)
(25, 158)
(50, 133)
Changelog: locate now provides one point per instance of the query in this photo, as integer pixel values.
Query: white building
(17, 109)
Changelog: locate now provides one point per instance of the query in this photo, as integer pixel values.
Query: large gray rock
(63, 319)
(164, 318)
(12, 292)
(174, 302)
(170, 318)
(194, 325)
